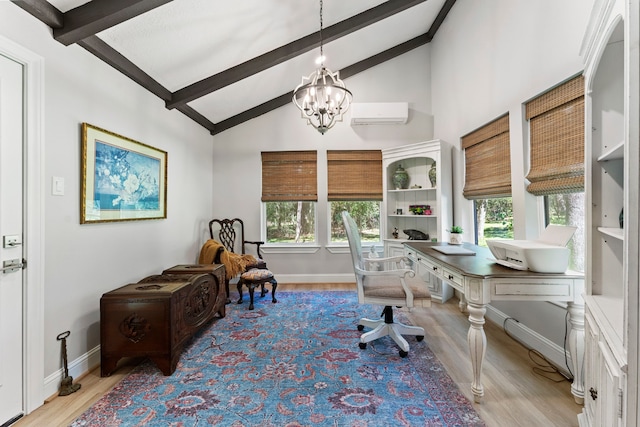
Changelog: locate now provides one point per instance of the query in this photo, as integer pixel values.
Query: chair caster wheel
(419, 337)
(360, 327)
(362, 345)
(403, 353)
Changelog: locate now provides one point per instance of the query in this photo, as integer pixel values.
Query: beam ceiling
(81, 24)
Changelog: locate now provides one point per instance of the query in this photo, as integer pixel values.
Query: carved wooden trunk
(189, 269)
(155, 317)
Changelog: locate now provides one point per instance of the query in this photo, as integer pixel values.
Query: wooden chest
(190, 269)
(155, 317)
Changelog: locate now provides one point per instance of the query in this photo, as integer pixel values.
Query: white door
(11, 218)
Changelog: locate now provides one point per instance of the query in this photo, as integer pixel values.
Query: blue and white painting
(125, 180)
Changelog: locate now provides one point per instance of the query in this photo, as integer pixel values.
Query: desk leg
(462, 304)
(477, 346)
(576, 349)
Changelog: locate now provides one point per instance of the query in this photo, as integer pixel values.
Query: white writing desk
(480, 281)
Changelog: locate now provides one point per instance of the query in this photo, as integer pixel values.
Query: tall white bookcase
(417, 160)
(612, 163)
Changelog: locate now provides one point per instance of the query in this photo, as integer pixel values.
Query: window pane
(365, 214)
(291, 222)
(494, 219)
(568, 209)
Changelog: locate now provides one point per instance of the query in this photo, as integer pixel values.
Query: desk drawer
(543, 290)
(432, 267)
(454, 279)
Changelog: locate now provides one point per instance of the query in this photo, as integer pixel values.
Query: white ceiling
(184, 41)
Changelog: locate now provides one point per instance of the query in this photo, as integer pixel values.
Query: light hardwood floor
(515, 396)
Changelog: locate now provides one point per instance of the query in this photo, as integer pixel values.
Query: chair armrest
(387, 259)
(397, 260)
(258, 244)
(399, 272)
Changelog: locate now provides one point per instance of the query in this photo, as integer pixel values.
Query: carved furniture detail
(157, 316)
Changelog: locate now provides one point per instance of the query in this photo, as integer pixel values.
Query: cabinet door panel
(592, 370)
(608, 392)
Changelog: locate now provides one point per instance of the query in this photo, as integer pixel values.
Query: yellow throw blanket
(234, 264)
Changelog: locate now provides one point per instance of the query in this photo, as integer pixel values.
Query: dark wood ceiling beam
(109, 55)
(42, 10)
(288, 51)
(98, 15)
(444, 11)
(384, 56)
(112, 57)
(252, 113)
(349, 71)
(197, 117)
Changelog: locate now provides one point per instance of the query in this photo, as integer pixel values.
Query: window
(290, 222)
(556, 124)
(355, 185)
(556, 128)
(494, 219)
(487, 156)
(289, 195)
(365, 214)
(568, 209)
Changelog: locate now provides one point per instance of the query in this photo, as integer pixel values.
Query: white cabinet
(417, 160)
(610, 51)
(604, 378)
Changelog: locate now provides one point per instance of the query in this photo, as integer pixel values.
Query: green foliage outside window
(494, 219)
(291, 222)
(365, 214)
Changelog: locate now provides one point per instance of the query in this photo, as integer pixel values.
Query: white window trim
(291, 248)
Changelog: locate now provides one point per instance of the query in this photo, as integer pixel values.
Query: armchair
(230, 234)
(388, 287)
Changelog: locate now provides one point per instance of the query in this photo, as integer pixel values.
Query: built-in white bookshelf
(612, 192)
(417, 160)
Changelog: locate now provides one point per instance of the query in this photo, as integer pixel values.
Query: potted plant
(420, 209)
(455, 235)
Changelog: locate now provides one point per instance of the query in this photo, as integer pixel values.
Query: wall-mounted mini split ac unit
(379, 113)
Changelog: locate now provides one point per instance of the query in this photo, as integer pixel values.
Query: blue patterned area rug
(294, 363)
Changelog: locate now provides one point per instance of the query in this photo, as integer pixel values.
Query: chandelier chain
(321, 50)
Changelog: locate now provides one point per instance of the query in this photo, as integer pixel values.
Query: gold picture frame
(122, 179)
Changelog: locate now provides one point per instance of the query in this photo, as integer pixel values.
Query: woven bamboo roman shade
(556, 124)
(487, 157)
(354, 175)
(289, 176)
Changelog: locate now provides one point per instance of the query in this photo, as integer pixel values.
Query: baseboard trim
(77, 368)
(554, 353)
(315, 278)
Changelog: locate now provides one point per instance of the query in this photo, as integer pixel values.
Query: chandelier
(322, 97)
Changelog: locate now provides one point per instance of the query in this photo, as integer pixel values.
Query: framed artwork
(122, 179)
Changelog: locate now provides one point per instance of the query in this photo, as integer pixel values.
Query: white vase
(455, 238)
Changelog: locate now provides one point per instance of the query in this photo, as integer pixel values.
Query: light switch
(57, 186)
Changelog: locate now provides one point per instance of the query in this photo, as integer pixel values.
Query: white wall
(84, 261)
(488, 58)
(237, 173)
